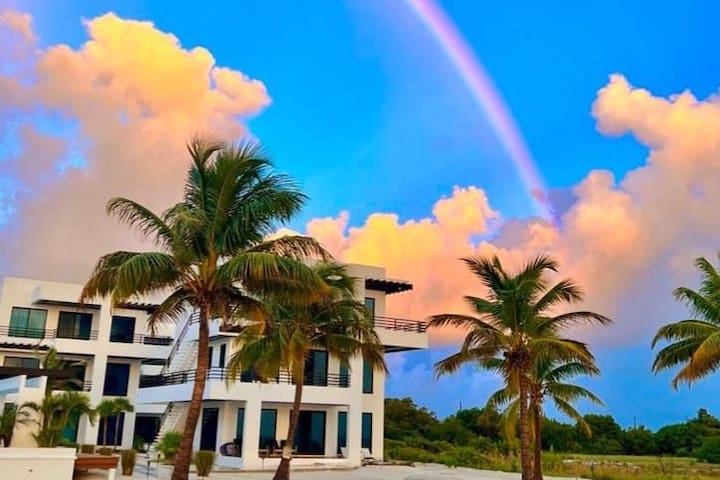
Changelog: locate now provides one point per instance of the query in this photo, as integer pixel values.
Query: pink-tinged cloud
(628, 242)
(19, 23)
(134, 95)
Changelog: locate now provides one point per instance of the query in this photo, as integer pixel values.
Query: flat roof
(387, 285)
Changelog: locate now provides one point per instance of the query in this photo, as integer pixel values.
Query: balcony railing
(400, 324)
(341, 380)
(75, 335)
(87, 386)
(26, 332)
(142, 339)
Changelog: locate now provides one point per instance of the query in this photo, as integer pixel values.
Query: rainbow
(488, 98)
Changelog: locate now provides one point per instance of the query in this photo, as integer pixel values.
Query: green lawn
(626, 467)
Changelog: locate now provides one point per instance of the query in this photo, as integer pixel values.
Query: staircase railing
(192, 318)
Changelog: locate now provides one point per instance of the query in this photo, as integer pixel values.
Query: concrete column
(87, 433)
(354, 417)
(251, 434)
(378, 433)
(331, 431)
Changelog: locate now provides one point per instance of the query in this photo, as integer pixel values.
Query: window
(370, 305)
(239, 427)
(366, 435)
(122, 329)
(310, 433)
(344, 376)
(368, 377)
(210, 355)
(74, 325)
(114, 430)
(316, 367)
(116, 379)
(342, 431)
(223, 352)
(21, 362)
(268, 427)
(27, 322)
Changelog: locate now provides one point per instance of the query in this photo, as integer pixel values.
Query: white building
(342, 412)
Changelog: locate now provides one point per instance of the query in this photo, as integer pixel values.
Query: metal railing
(72, 334)
(400, 324)
(26, 332)
(341, 380)
(143, 339)
(87, 385)
(192, 318)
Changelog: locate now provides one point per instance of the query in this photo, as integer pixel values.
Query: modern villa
(341, 420)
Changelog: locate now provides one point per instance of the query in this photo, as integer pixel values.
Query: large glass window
(368, 377)
(75, 325)
(116, 379)
(268, 427)
(310, 433)
(366, 435)
(316, 367)
(110, 430)
(370, 305)
(342, 431)
(122, 329)
(27, 322)
(344, 376)
(209, 428)
(21, 362)
(223, 352)
(239, 427)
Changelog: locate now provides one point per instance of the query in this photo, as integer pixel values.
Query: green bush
(105, 451)
(709, 451)
(67, 443)
(169, 444)
(127, 459)
(139, 443)
(87, 448)
(204, 462)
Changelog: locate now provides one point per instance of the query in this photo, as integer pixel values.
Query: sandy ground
(418, 472)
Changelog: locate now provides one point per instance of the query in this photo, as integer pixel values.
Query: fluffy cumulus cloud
(121, 107)
(628, 241)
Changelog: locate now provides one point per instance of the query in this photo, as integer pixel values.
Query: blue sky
(370, 116)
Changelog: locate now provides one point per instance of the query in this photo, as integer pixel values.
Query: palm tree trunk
(184, 453)
(525, 462)
(283, 470)
(117, 427)
(537, 474)
(105, 430)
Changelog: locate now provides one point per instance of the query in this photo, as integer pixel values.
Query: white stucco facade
(342, 413)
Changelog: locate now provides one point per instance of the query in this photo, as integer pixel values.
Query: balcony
(401, 325)
(75, 334)
(341, 380)
(26, 332)
(142, 339)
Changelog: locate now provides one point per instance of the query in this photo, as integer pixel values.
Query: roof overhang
(388, 286)
(7, 372)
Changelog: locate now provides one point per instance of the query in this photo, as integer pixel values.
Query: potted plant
(204, 462)
(127, 459)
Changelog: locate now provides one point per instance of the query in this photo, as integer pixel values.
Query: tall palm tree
(693, 343)
(547, 381)
(104, 411)
(516, 322)
(120, 406)
(53, 413)
(335, 322)
(213, 255)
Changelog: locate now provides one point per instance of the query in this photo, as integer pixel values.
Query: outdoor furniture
(229, 450)
(88, 461)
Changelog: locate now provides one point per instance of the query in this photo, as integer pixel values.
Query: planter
(40, 463)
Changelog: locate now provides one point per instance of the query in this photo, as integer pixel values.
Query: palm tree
(213, 254)
(53, 414)
(105, 410)
(120, 406)
(515, 323)
(52, 361)
(693, 343)
(335, 322)
(547, 380)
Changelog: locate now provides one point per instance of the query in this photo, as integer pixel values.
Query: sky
(615, 101)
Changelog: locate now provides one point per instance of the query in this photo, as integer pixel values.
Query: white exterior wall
(94, 353)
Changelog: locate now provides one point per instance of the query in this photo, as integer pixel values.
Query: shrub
(105, 451)
(64, 442)
(709, 451)
(204, 461)
(87, 448)
(139, 443)
(127, 459)
(169, 444)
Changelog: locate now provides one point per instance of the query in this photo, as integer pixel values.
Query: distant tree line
(415, 433)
